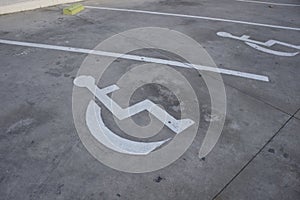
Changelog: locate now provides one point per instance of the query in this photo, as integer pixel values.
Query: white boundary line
(138, 58)
(270, 3)
(195, 17)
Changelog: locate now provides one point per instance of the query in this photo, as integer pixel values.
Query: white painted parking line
(270, 3)
(196, 17)
(139, 58)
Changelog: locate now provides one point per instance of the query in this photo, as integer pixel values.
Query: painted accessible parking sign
(98, 109)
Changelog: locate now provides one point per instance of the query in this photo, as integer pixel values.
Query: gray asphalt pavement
(257, 155)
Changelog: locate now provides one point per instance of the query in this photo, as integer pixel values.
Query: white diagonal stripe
(138, 58)
(196, 17)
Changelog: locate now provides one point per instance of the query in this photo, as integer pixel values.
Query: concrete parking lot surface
(257, 155)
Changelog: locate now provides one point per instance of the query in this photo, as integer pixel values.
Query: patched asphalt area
(256, 157)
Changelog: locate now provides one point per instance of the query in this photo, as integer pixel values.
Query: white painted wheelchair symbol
(261, 46)
(111, 140)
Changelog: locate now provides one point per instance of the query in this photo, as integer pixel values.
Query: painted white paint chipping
(196, 17)
(175, 125)
(259, 45)
(139, 58)
(112, 141)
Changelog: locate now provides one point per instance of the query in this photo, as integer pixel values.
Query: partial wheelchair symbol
(261, 46)
(113, 141)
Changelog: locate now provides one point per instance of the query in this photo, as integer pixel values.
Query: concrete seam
(260, 150)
